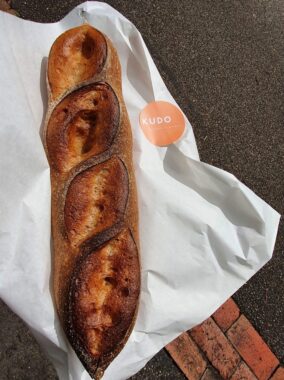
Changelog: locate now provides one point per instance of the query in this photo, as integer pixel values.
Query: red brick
(227, 314)
(279, 374)
(187, 356)
(211, 374)
(243, 373)
(252, 348)
(216, 346)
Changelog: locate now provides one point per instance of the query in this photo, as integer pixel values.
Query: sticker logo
(162, 123)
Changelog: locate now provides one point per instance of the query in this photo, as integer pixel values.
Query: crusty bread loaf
(87, 136)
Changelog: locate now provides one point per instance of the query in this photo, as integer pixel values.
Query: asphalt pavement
(223, 61)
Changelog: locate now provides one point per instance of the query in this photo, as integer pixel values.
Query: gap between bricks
(225, 346)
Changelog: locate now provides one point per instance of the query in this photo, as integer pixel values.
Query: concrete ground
(223, 61)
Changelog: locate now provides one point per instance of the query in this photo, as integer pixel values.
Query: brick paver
(227, 314)
(216, 346)
(278, 375)
(187, 356)
(243, 373)
(252, 348)
(211, 374)
(232, 349)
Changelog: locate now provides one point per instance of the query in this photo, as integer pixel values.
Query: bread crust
(88, 141)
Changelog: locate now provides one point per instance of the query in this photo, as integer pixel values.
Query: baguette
(87, 137)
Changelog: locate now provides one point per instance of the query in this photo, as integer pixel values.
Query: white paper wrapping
(203, 233)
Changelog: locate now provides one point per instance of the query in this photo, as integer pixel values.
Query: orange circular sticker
(162, 123)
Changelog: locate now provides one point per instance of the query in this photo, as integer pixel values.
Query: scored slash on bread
(82, 125)
(88, 141)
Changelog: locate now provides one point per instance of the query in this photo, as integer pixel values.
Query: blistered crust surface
(96, 200)
(76, 56)
(82, 125)
(104, 295)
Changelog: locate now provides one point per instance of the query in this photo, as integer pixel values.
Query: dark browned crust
(100, 204)
(82, 125)
(76, 55)
(119, 309)
(100, 169)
